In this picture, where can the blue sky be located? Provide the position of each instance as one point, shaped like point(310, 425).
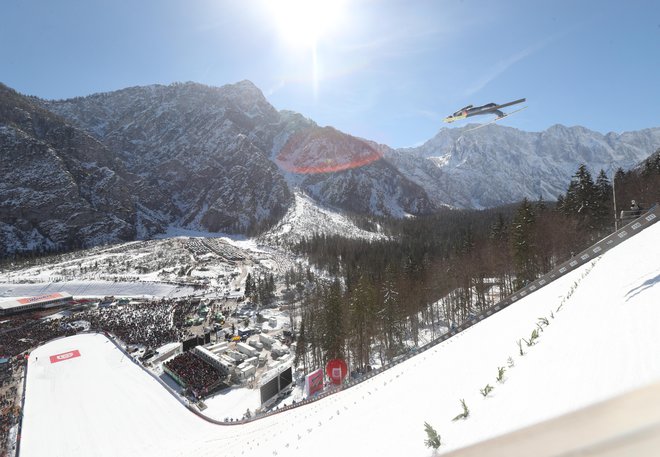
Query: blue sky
point(386, 70)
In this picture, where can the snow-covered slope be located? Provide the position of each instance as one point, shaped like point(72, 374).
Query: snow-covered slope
point(306, 218)
point(601, 340)
point(497, 164)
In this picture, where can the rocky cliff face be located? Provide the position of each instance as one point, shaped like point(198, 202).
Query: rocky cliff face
point(60, 187)
point(496, 165)
point(230, 161)
point(342, 171)
point(207, 149)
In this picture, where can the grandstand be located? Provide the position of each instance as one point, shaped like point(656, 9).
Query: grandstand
point(194, 373)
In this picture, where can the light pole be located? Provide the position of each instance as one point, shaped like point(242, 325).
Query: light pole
point(616, 222)
point(614, 169)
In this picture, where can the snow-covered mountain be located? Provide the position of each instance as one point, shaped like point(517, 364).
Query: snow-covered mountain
point(60, 186)
point(215, 150)
point(222, 159)
point(495, 165)
point(207, 149)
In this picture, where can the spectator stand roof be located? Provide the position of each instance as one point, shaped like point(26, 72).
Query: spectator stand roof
point(37, 300)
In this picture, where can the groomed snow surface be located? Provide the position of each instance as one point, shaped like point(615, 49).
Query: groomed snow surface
point(96, 289)
point(603, 341)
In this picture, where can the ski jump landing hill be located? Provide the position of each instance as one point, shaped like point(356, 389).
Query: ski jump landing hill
point(85, 397)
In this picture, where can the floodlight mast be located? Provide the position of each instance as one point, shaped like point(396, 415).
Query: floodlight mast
point(616, 221)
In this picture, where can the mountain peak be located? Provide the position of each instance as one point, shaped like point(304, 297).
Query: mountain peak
point(497, 164)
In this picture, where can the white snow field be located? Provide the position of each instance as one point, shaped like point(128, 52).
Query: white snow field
point(97, 289)
point(604, 341)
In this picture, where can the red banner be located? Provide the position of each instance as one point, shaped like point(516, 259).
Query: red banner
point(64, 356)
point(314, 382)
point(24, 301)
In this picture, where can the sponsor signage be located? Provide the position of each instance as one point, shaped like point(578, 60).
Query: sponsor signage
point(25, 301)
point(314, 382)
point(64, 356)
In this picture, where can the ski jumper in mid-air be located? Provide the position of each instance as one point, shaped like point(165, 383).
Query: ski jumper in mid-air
point(488, 108)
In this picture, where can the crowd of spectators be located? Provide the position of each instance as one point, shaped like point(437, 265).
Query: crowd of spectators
point(182, 309)
point(200, 377)
point(9, 415)
point(29, 335)
point(9, 401)
point(149, 323)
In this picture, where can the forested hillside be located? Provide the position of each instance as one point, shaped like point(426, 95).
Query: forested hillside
point(441, 268)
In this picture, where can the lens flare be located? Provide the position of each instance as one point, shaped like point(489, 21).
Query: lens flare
point(325, 150)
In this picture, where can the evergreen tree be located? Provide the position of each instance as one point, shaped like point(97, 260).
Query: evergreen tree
point(620, 175)
point(249, 285)
point(361, 316)
point(432, 438)
point(390, 318)
point(541, 206)
point(581, 198)
point(498, 254)
point(561, 202)
point(499, 230)
point(467, 242)
point(603, 210)
point(334, 334)
point(522, 243)
point(301, 348)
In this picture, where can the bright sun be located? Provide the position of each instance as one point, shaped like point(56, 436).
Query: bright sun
point(303, 22)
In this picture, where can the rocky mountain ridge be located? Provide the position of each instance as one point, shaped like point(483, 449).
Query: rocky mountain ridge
point(126, 164)
point(215, 151)
point(62, 187)
point(495, 165)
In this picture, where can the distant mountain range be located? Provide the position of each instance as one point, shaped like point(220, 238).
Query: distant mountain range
point(495, 165)
point(126, 164)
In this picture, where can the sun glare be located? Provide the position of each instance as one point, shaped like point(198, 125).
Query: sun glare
point(304, 22)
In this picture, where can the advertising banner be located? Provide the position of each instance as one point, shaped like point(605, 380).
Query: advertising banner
point(314, 382)
point(336, 370)
point(25, 301)
point(64, 356)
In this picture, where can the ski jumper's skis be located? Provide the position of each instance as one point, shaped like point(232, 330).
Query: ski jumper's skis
point(494, 120)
